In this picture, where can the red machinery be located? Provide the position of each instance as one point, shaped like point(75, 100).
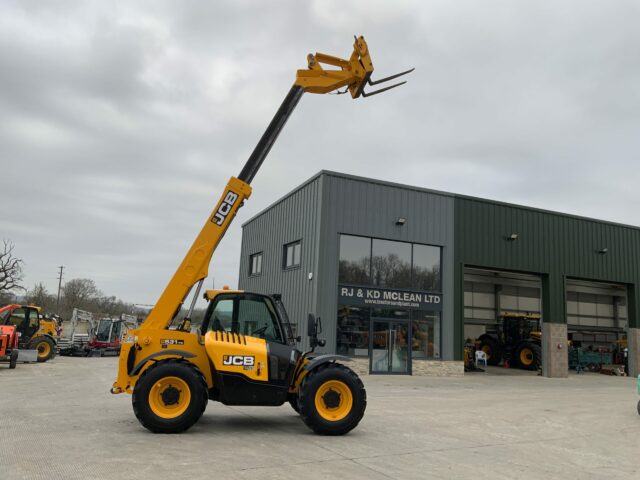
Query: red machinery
point(9, 345)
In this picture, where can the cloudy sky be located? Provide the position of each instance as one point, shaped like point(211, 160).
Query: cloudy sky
point(120, 122)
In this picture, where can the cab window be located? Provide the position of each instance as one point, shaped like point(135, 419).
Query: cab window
point(256, 319)
point(222, 316)
point(17, 317)
point(251, 315)
point(34, 319)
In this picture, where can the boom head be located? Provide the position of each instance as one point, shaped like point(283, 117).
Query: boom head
point(354, 74)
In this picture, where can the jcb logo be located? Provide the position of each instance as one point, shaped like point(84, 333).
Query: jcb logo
point(224, 208)
point(238, 360)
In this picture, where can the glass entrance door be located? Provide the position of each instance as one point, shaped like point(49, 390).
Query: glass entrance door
point(389, 347)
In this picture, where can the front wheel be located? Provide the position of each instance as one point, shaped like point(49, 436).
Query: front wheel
point(170, 397)
point(13, 359)
point(332, 400)
point(292, 398)
point(528, 356)
point(45, 346)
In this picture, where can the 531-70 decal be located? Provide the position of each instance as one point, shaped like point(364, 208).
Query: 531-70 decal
point(165, 342)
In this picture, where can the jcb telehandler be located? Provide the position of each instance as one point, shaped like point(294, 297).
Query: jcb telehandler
point(243, 353)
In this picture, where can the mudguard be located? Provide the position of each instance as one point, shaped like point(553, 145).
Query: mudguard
point(141, 363)
point(326, 358)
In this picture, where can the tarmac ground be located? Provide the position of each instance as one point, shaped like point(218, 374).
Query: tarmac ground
point(59, 421)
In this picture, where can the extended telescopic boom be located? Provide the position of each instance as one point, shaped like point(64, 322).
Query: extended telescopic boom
point(353, 75)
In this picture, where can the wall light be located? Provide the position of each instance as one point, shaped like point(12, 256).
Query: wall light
point(602, 251)
point(512, 237)
point(401, 221)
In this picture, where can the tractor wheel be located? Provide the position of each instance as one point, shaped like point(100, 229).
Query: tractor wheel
point(491, 348)
point(332, 399)
point(45, 346)
point(292, 398)
point(528, 356)
point(13, 358)
point(170, 397)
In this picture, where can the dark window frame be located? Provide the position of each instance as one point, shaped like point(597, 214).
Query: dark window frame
point(285, 248)
point(253, 273)
point(412, 288)
point(205, 327)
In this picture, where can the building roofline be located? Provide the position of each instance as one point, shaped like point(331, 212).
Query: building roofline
point(287, 195)
point(435, 192)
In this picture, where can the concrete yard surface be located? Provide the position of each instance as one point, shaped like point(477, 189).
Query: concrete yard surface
point(59, 421)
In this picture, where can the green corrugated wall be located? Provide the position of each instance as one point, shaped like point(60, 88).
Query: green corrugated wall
point(553, 245)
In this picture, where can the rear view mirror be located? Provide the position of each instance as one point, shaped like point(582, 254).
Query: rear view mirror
point(311, 326)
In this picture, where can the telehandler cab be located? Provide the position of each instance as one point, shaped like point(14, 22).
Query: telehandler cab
point(243, 353)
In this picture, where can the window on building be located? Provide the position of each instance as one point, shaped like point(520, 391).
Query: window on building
point(355, 260)
point(291, 255)
point(255, 264)
point(391, 264)
point(353, 331)
point(425, 334)
point(426, 268)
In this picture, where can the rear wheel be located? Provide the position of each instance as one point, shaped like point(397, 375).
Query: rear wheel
point(491, 348)
point(528, 356)
point(45, 347)
point(13, 359)
point(170, 397)
point(332, 400)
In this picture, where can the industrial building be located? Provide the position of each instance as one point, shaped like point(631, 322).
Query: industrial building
point(403, 276)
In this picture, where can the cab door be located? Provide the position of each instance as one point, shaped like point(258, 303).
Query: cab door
point(26, 321)
point(253, 365)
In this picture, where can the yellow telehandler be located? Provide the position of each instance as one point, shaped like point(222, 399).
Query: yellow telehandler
point(244, 352)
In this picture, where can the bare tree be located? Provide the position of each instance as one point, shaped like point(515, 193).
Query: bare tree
point(10, 268)
point(40, 296)
point(79, 293)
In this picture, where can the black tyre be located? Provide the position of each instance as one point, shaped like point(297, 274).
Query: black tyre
point(492, 350)
point(332, 399)
point(45, 346)
point(638, 407)
point(528, 356)
point(292, 398)
point(13, 359)
point(170, 397)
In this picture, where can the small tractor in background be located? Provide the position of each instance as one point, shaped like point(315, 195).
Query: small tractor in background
point(34, 332)
point(9, 345)
point(516, 341)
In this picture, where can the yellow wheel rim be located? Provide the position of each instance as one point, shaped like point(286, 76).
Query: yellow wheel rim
point(526, 356)
point(487, 351)
point(44, 349)
point(333, 400)
point(169, 397)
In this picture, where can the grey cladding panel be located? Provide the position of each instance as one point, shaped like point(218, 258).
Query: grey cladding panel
point(293, 218)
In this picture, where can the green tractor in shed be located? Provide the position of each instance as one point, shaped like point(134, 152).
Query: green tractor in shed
point(516, 341)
